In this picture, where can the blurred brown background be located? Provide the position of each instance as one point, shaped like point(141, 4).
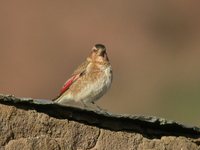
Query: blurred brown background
point(154, 48)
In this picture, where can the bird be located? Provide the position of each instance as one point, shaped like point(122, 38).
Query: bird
point(90, 81)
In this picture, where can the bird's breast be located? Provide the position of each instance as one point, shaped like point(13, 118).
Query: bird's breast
point(100, 84)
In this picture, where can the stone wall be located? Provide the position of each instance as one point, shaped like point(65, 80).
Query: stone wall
point(27, 124)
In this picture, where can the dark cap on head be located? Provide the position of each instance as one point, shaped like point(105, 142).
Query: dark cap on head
point(100, 46)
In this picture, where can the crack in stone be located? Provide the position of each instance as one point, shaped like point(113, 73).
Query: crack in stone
point(99, 134)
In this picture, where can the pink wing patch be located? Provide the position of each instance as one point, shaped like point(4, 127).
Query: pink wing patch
point(69, 83)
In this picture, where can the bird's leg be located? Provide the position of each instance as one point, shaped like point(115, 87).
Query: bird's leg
point(83, 104)
point(92, 105)
point(98, 107)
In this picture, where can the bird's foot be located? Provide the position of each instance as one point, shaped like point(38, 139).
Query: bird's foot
point(93, 106)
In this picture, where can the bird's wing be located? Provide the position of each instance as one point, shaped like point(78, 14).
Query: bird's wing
point(66, 86)
point(77, 74)
point(68, 83)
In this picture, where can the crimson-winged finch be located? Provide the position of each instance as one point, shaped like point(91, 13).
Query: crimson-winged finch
point(90, 80)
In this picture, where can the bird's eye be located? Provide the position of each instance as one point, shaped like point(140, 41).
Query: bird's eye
point(95, 50)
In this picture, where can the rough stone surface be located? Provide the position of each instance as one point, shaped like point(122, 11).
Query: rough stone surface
point(27, 129)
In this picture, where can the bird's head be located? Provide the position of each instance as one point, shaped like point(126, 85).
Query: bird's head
point(99, 53)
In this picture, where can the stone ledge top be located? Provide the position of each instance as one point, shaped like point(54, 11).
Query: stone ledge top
point(148, 125)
